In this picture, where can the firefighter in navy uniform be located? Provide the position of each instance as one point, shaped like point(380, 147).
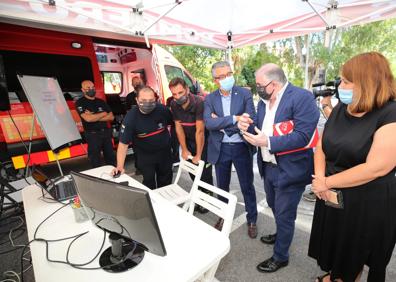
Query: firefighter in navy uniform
point(187, 110)
point(95, 114)
point(174, 142)
point(146, 126)
point(130, 101)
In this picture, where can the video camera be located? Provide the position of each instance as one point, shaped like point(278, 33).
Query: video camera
point(330, 88)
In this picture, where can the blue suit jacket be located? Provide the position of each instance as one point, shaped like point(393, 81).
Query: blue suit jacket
point(299, 105)
point(241, 102)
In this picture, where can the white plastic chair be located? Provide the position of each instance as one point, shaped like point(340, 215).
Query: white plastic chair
point(224, 210)
point(174, 192)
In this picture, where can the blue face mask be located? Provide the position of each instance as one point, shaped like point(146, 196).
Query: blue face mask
point(345, 95)
point(227, 83)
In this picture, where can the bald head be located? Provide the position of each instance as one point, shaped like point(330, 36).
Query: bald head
point(87, 84)
point(88, 88)
point(271, 72)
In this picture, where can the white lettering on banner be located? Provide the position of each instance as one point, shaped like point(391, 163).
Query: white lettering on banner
point(179, 32)
point(90, 15)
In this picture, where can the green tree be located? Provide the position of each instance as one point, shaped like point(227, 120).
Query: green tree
point(327, 50)
point(198, 61)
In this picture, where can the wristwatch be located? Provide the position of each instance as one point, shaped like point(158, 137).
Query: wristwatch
point(324, 106)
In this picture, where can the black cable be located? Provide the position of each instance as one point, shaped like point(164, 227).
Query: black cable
point(16, 237)
point(41, 223)
point(82, 264)
point(74, 265)
point(75, 237)
point(23, 251)
point(52, 200)
point(7, 224)
point(10, 251)
point(20, 136)
point(46, 241)
point(19, 133)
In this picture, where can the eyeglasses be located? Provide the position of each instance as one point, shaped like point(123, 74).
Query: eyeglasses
point(259, 86)
point(221, 77)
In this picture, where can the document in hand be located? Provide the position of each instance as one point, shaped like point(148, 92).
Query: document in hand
point(287, 127)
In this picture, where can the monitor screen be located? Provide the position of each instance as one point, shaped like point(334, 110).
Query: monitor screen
point(124, 210)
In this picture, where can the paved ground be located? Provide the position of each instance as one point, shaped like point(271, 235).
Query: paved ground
point(240, 263)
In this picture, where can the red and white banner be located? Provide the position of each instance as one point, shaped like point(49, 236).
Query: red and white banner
point(196, 22)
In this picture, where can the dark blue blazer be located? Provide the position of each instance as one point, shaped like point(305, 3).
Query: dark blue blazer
point(241, 102)
point(299, 105)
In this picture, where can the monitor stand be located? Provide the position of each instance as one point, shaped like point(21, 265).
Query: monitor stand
point(122, 255)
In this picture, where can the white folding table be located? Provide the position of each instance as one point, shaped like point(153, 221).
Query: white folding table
point(192, 245)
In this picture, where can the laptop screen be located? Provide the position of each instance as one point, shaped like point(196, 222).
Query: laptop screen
point(41, 178)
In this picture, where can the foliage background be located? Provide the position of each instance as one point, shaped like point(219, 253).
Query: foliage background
point(326, 51)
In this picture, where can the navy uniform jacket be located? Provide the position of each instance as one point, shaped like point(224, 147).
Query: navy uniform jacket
point(299, 105)
point(241, 102)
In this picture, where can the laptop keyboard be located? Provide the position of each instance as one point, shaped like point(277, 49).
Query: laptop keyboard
point(66, 190)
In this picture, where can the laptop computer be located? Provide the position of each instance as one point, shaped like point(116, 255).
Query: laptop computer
point(61, 190)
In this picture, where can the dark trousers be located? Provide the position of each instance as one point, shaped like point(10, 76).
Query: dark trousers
point(207, 171)
point(174, 145)
point(99, 141)
point(239, 155)
point(156, 174)
point(135, 155)
point(283, 201)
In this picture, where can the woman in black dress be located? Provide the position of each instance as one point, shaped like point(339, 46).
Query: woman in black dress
point(357, 157)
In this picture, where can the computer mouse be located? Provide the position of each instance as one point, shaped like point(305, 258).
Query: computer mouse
point(117, 174)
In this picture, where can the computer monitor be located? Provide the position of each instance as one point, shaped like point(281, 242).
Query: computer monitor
point(127, 214)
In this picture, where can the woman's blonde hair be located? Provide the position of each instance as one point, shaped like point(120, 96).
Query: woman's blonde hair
point(374, 84)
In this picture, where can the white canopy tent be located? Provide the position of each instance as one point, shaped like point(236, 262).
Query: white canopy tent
point(221, 24)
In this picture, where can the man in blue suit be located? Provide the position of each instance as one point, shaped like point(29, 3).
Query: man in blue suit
point(286, 120)
point(226, 146)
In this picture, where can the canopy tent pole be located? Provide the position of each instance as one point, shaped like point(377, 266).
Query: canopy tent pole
point(229, 49)
point(280, 29)
point(177, 2)
point(306, 75)
point(383, 10)
point(316, 11)
point(368, 2)
point(97, 18)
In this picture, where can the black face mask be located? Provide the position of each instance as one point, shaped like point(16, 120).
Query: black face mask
point(91, 93)
point(262, 92)
point(182, 100)
point(137, 86)
point(147, 107)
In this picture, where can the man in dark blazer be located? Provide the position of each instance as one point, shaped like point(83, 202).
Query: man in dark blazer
point(286, 121)
point(226, 146)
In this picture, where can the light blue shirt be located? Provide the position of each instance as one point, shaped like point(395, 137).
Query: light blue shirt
point(226, 103)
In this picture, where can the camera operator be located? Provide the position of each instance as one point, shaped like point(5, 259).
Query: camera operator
point(330, 91)
point(326, 106)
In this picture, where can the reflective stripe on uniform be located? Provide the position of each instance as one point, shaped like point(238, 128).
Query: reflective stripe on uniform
point(144, 135)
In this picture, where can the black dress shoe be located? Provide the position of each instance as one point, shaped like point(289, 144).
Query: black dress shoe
point(271, 265)
point(268, 239)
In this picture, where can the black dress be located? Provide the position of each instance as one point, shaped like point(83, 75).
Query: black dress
point(364, 231)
